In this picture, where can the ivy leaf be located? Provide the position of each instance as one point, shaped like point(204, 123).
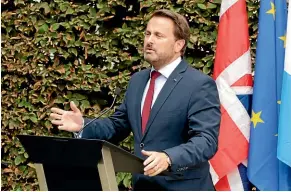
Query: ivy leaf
point(55, 26)
point(126, 181)
point(75, 101)
point(60, 99)
point(209, 64)
point(52, 51)
point(74, 51)
point(207, 58)
point(198, 64)
point(211, 6)
point(18, 2)
point(45, 6)
point(63, 7)
point(19, 159)
point(69, 11)
point(25, 104)
point(216, 1)
point(92, 12)
point(48, 124)
point(33, 119)
point(201, 6)
point(119, 177)
point(87, 67)
point(85, 104)
point(100, 5)
point(26, 155)
point(13, 124)
point(190, 60)
point(79, 96)
point(206, 70)
point(43, 28)
point(18, 187)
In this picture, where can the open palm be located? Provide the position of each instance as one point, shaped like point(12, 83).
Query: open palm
point(71, 121)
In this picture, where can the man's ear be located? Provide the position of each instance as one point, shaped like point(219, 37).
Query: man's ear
point(179, 44)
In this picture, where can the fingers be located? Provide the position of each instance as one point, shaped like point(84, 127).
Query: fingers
point(155, 163)
point(57, 122)
point(158, 171)
point(58, 111)
point(151, 171)
point(147, 153)
point(155, 170)
point(60, 124)
point(148, 160)
point(152, 164)
point(55, 116)
point(74, 107)
point(61, 127)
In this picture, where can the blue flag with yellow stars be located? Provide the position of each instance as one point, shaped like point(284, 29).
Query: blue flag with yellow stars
point(265, 171)
point(284, 132)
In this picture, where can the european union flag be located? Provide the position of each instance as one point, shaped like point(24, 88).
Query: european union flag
point(265, 171)
point(284, 133)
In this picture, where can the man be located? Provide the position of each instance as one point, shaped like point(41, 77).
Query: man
point(172, 109)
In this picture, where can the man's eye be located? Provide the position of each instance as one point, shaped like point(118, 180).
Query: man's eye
point(159, 35)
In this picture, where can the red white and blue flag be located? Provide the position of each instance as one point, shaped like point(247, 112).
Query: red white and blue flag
point(233, 75)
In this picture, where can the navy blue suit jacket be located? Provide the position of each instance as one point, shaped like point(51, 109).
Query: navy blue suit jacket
point(184, 123)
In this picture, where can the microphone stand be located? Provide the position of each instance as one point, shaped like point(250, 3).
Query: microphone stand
point(117, 92)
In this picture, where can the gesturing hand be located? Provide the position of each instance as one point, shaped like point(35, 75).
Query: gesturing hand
point(155, 163)
point(67, 120)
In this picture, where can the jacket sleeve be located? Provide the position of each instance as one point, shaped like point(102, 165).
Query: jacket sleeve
point(114, 128)
point(203, 121)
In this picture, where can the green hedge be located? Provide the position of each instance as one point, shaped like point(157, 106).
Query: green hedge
point(58, 51)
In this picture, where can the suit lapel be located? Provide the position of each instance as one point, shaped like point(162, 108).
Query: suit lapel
point(170, 84)
point(140, 90)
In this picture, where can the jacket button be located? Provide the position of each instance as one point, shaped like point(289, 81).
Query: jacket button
point(141, 145)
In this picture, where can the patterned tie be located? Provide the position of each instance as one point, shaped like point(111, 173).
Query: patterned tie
point(148, 100)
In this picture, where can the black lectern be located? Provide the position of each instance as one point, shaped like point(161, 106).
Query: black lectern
point(78, 164)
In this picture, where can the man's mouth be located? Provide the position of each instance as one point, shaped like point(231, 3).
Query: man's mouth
point(148, 50)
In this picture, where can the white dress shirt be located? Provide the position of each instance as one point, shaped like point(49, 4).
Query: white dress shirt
point(160, 81)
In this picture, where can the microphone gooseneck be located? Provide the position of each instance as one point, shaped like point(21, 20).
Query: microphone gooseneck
point(117, 93)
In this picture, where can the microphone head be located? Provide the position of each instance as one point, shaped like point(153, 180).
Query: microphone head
point(117, 91)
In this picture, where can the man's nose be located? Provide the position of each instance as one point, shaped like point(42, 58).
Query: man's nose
point(150, 39)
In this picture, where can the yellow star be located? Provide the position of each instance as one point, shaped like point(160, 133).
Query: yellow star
point(272, 10)
point(256, 118)
point(283, 38)
point(279, 102)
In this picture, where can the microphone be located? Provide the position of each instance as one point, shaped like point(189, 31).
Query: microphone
point(116, 93)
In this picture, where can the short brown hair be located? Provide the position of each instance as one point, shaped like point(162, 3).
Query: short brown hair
point(182, 29)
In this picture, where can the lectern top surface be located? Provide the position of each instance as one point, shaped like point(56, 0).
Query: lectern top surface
point(60, 150)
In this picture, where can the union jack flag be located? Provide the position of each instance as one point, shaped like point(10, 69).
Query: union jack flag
point(233, 75)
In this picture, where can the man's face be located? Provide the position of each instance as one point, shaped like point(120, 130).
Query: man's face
point(159, 41)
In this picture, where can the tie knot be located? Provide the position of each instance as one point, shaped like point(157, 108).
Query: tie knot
point(155, 74)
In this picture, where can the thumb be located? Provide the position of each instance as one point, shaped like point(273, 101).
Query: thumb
point(147, 153)
point(74, 107)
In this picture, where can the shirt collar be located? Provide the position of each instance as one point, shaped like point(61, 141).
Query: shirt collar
point(168, 69)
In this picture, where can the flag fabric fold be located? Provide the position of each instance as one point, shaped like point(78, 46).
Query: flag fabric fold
point(232, 73)
point(265, 171)
point(284, 133)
